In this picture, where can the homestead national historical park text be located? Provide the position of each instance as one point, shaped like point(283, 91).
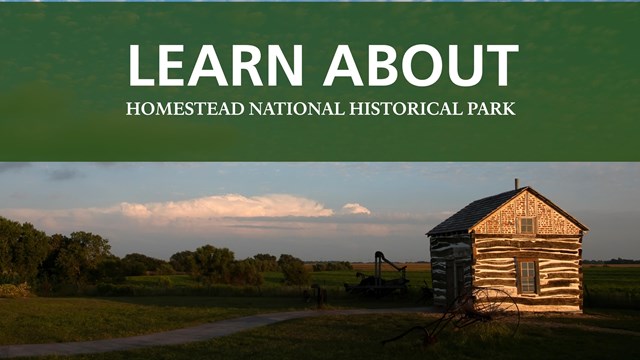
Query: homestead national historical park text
point(381, 71)
point(352, 108)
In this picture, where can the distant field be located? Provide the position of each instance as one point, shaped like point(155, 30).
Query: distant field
point(612, 286)
point(605, 286)
point(410, 266)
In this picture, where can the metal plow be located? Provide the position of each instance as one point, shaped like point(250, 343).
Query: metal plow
point(493, 313)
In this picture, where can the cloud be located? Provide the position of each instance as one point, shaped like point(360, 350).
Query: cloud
point(355, 209)
point(63, 174)
point(8, 166)
point(228, 206)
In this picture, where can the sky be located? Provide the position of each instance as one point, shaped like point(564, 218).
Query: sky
point(315, 211)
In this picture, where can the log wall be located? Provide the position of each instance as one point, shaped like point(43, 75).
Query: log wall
point(445, 252)
point(559, 269)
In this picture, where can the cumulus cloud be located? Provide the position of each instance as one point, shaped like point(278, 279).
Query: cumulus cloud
point(230, 205)
point(355, 209)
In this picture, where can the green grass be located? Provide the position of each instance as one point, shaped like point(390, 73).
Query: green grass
point(275, 279)
point(612, 287)
point(332, 281)
point(616, 277)
point(43, 320)
point(358, 337)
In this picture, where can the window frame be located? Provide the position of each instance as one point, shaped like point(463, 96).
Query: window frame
point(534, 225)
point(536, 276)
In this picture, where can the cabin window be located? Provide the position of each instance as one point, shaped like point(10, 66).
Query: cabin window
point(527, 276)
point(527, 225)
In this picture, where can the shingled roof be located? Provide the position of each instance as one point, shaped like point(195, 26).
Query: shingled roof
point(473, 213)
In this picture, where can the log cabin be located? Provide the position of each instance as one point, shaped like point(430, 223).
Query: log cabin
point(517, 241)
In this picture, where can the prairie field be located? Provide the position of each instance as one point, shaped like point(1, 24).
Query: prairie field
point(604, 286)
point(608, 328)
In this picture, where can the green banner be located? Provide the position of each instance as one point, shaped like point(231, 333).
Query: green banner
point(319, 82)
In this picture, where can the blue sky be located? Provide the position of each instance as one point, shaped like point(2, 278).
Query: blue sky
point(316, 211)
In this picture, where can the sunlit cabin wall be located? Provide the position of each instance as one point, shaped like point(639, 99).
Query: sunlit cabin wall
point(556, 246)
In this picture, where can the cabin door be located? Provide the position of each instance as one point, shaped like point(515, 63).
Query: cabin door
point(455, 280)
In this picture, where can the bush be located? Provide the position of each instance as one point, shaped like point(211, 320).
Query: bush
point(244, 272)
point(293, 270)
point(266, 262)
point(15, 291)
point(333, 266)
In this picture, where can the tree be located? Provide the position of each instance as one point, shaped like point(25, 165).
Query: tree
point(183, 261)
point(139, 264)
point(293, 270)
point(211, 264)
point(23, 249)
point(266, 262)
point(110, 270)
point(245, 272)
point(79, 257)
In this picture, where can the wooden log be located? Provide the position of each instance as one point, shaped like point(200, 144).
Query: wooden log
point(567, 292)
point(561, 282)
point(528, 254)
point(496, 274)
point(523, 244)
point(560, 275)
point(494, 282)
point(547, 300)
point(559, 237)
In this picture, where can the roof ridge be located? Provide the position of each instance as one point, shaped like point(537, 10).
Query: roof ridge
point(477, 210)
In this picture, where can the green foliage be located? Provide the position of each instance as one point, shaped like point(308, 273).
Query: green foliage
point(183, 261)
point(218, 266)
point(165, 269)
point(293, 270)
point(15, 291)
point(139, 264)
point(23, 248)
point(245, 272)
point(110, 270)
point(76, 260)
point(266, 262)
point(212, 264)
point(332, 266)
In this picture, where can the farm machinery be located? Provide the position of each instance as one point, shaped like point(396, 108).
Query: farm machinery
point(492, 311)
point(375, 285)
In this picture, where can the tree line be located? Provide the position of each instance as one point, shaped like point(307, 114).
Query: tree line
point(49, 263)
point(618, 261)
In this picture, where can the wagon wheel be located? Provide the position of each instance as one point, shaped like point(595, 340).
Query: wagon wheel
point(493, 311)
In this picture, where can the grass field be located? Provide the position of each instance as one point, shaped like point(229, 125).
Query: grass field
point(359, 337)
point(333, 281)
point(605, 286)
point(41, 320)
point(612, 286)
